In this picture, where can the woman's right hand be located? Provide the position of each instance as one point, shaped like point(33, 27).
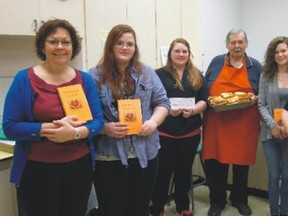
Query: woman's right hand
point(284, 119)
point(115, 129)
point(277, 132)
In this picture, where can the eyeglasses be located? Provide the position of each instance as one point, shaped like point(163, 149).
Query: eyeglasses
point(122, 44)
point(55, 43)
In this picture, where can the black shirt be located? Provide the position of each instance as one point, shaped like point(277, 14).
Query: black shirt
point(179, 125)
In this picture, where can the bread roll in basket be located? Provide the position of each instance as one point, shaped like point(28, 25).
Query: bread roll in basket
point(230, 98)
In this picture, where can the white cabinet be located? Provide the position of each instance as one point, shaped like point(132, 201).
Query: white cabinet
point(156, 23)
point(71, 10)
point(139, 14)
point(168, 24)
point(23, 17)
point(101, 16)
point(145, 28)
point(15, 20)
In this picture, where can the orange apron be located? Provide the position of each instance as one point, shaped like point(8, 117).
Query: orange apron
point(231, 136)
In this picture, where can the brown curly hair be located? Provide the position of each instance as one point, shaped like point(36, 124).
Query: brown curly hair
point(49, 28)
point(270, 66)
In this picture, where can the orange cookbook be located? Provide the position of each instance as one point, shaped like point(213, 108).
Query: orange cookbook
point(74, 102)
point(278, 115)
point(130, 113)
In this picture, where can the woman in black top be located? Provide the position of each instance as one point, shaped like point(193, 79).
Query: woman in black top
point(180, 132)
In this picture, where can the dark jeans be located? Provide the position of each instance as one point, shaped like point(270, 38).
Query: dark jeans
point(124, 191)
point(175, 156)
point(55, 189)
point(217, 173)
point(277, 164)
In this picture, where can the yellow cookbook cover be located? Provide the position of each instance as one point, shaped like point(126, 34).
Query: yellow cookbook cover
point(278, 115)
point(74, 102)
point(130, 113)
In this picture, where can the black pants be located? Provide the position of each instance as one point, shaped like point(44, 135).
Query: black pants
point(217, 174)
point(124, 191)
point(175, 156)
point(54, 189)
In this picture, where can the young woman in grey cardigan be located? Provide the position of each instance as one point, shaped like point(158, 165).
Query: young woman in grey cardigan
point(273, 93)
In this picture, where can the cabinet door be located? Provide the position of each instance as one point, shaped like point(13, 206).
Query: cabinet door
point(18, 17)
point(101, 16)
point(141, 16)
point(23, 17)
point(168, 24)
point(71, 10)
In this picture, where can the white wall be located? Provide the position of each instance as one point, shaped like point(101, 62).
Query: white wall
point(217, 18)
point(264, 20)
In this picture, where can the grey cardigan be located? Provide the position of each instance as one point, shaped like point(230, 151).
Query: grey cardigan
point(268, 100)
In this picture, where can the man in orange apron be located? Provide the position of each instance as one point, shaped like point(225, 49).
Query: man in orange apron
point(231, 137)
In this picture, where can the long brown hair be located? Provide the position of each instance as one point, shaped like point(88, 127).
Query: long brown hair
point(270, 66)
point(109, 70)
point(194, 75)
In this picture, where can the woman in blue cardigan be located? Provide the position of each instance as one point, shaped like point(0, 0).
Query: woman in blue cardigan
point(52, 164)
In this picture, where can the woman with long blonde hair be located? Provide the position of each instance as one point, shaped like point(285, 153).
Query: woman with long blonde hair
point(180, 132)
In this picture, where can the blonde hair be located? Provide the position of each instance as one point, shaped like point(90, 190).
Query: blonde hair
point(194, 75)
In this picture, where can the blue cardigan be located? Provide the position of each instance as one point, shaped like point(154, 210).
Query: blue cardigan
point(19, 125)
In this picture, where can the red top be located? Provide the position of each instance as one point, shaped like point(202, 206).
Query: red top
point(231, 136)
point(47, 107)
point(191, 134)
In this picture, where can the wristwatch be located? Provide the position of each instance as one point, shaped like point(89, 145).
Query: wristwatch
point(77, 134)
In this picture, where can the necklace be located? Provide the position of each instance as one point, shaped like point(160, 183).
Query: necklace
point(283, 76)
point(127, 88)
